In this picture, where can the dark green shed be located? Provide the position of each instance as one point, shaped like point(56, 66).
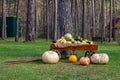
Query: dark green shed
point(11, 26)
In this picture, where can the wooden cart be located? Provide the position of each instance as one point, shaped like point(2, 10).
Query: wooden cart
point(89, 48)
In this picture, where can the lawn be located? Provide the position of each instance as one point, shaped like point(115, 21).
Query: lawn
point(10, 50)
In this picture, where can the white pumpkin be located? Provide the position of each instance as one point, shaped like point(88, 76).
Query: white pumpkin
point(50, 57)
point(99, 58)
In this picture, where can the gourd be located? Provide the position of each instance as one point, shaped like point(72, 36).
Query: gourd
point(84, 61)
point(50, 57)
point(72, 58)
point(68, 36)
point(99, 58)
point(61, 40)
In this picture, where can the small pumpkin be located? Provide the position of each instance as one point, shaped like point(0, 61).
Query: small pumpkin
point(50, 57)
point(102, 58)
point(72, 58)
point(84, 61)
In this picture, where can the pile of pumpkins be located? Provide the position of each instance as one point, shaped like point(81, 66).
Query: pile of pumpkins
point(52, 57)
point(68, 39)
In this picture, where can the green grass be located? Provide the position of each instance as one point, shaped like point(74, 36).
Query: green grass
point(10, 50)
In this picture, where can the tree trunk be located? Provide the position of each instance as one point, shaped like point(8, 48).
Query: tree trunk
point(110, 27)
point(4, 34)
point(88, 20)
point(76, 17)
point(17, 22)
point(93, 19)
point(114, 16)
point(83, 18)
point(103, 21)
point(47, 20)
point(55, 19)
point(44, 18)
point(8, 7)
point(35, 19)
point(65, 18)
point(30, 28)
point(15, 1)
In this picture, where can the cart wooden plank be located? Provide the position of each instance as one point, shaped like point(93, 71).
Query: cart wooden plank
point(87, 47)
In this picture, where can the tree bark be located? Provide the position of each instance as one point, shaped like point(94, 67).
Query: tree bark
point(47, 20)
point(65, 18)
point(15, 1)
point(97, 17)
point(110, 27)
point(8, 7)
point(114, 16)
point(103, 21)
point(83, 18)
point(35, 19)
point(17, 22)
point(44, 18)
point(55, 19)
point(93, 18)
point(30, 28)
point(4, 34)
point(76, 17)
point(88, 20)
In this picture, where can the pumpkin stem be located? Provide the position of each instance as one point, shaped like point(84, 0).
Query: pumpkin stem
point(87, 53)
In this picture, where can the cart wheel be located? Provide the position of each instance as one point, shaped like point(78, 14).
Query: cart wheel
point(89, 53)
point(58, 52)
point(67, 53)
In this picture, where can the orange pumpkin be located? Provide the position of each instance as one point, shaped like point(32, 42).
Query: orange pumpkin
point(72, 58)
point(84, 61)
